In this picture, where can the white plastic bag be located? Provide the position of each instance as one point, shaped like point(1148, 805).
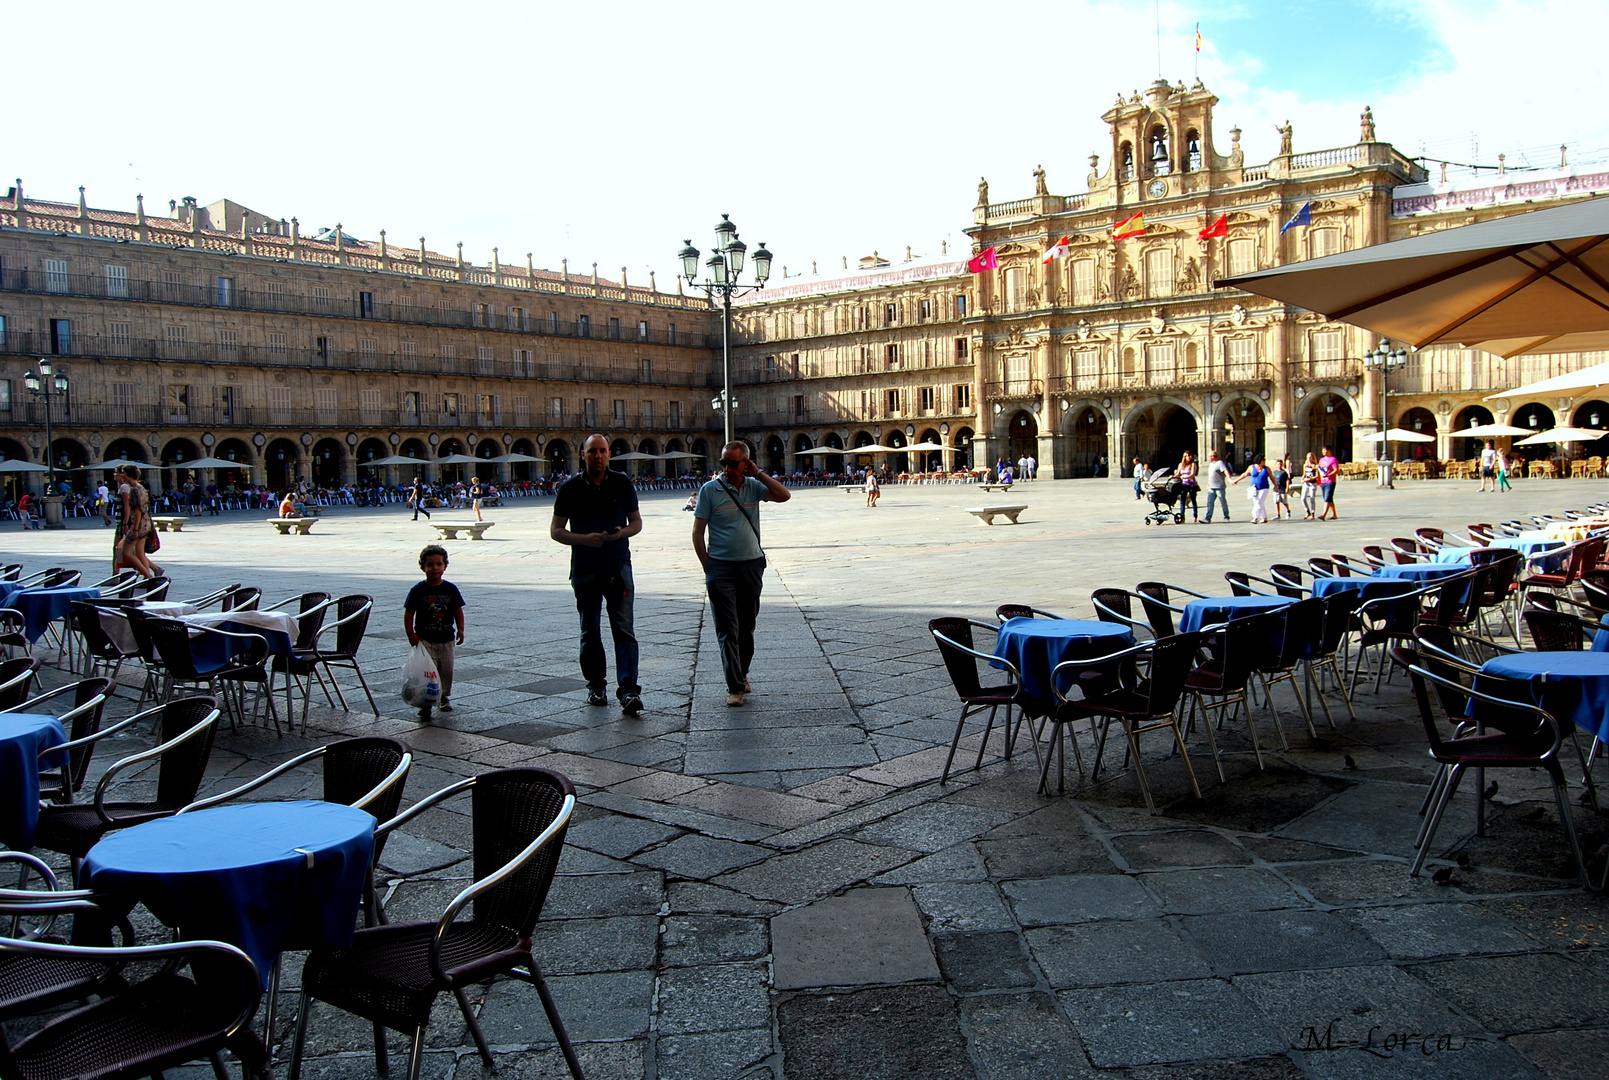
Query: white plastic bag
point(421, 685)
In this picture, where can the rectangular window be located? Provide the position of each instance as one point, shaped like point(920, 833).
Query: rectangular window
point(410, 355)
point(645, 371)
point(1159, 362)
point(483, 359)
point(1086, 368)
point(118, 337)
point(449, 405)
point(589, 413)
point(487, 407)
point(961, 305)
point(324, 400)
point(1327, 345)
point(960, 349)
point(614, 329)
point(411, 404)
point(481, 314)
point(56, 275)
point(890, 311)
point(670, 334)
point(369, 406)
point(226, 292)
point(556, 408)
point(518, 319)
point(1159, 272)
point(178, 403)
point(61, 337)
point(228, 401)
point(116, 281)
point(927, 399)
point(5, 395)
point(3, 329)
point(279, 402)
point(642, 329)
point(1242, 356)
point(583, 325)
point(963, 397)
point(321, 297)
point(123, 398)
point(366, 349)
point(891, 357)
point(1083, 274)
point(924, 310)
point(620, 412)
point(1240, 256)
point(553, 322)
point(524, 362)
point(321, 346)
point(228, 340)
point(176, 336)
point(276, 343)
point(275, 292)
point(365, 305)
point(648, 414)
point(522, 410)
point(893, 403)
point(172, 285)
point(675, 417)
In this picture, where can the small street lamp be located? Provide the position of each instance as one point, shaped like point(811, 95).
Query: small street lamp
point(48, 383)
point(1385, 360)
point(725, 267)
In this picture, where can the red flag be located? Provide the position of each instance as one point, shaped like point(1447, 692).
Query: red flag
point(984, 260)
point(1217, 228)
point(1059, 249)
point(1130, 226)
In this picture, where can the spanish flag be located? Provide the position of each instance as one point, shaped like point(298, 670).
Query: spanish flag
point(1132, 226)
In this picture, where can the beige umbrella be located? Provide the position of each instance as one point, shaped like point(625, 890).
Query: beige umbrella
point(1563, 435)
point(876, 448)
point(1585, 379)
point(506, 459)
point(823, 451)
point(23, 466)
point(396, 459)
point(1397, 434)
point(459, 459)
point(633, 456)
point(1488, 431)
point(923, 446)
point(1536, 282)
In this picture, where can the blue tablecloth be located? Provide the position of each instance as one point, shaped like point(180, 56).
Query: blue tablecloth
point(242, 874)
point(23, 736)
point(8, 589)
point(1525, 547)
point(1422, 573)
point(1600, 640)
point(1036, 646)
point(40, 607)
point(1373, 586)
point(1573, 686)
point(213, 651)
point(1216, 609)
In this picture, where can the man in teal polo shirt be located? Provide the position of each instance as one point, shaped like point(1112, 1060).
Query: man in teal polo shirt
point(728, 511)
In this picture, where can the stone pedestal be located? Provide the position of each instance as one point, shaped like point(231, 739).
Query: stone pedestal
point(53, 512)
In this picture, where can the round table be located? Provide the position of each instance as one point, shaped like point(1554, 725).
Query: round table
point(1035, 646)
point(1211, 610)
point(1423, 573)
point(1526, 548)
point(1572, 686)
point(1373, 586)
point(23, 737)
point(256, 875)
point(41, 607)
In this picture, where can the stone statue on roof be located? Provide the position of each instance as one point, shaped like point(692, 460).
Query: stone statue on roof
point(1366, 128)
point(1285, 138)
point(1039, 182)
point(983, 191)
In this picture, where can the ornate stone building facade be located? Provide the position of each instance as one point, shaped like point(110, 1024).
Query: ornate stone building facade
point(218, 331)
point(1123, 348)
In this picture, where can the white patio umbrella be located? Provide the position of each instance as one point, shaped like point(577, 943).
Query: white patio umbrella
point(876, 448)
point(1586, 378)
point(396, 459)
point(923, 446)
point(23, 466)
point(823, 451)
point(118, 463)
point(209, 463)
point(459, 459)
point(507, 459)
point(1563, 435)
point(633, 456)
point(683, 455)
point(1398, 435)
point(1488, 431)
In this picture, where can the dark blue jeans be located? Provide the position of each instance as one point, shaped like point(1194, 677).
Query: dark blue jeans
point(734, 591)
point(595, 588)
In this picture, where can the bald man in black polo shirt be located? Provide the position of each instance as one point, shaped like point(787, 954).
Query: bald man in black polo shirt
point(595, 515)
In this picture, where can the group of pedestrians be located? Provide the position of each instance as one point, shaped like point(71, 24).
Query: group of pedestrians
point(1494, 468)
point(1266, 479)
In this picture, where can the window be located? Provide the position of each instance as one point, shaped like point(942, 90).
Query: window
point(1159, 362)
point(3, 329)
point(961, 305)
point(483, 359)
point(410, 355)
point(117, 335)
point(1328, 345)
point(1242, 355)
point(275, 291)
point(61, 337)
point(449, 405)
point(963, 397)
point(321, 297)
point(960, 349)
point(324, 400)
point(1240, 256)
point(556, 408)
point(589, 413)
point(1013, 286)
point(642, 329)
point(279, 402)
point(926, 399)
point(924, 311)
point(583, 325)
point(366, 349)
point(891, 357)
point(176, 336)
point(172, 285)
point(321, 345)
point(487, 407)
point(481, 314)
point(614, 329)
point(226, 292)
point(620, 412)
point(276, 343)
point(517, 319)
point(410, 407)
point(524, 362)
point(675, 417)
point(889, 312)
point(123, 398)
point(369, 406)
point(645, 371)
point(365, 305)
point(893, 403)
point(5, 395)
point(228, 340)
point(798, 407)
point(522, 410)
point(1159, 272)
point(228, 401)
point(178, 402)
point(553, 322)
point(1324, 242)
point(670, 334)
point(1083, 272)
point(55, 275)
point(116, 281)
point(648, 414)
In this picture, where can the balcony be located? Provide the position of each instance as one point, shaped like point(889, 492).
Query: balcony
point(1014, 389)
point(1163, 377)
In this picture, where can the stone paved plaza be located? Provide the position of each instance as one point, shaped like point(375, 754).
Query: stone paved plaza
point(785, 890)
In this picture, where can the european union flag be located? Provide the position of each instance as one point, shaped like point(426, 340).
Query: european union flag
point(1304, 216)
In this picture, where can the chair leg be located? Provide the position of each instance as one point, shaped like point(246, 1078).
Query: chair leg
point(416, 1054)
point(1139, 766)
point(365, 684)
point(1455, 774)
point(944, 778)
point(474, 1028)
point(273, 1000)
point(218, 1070)
point(988, 729)
point(1556, 774)
point(300, 1039)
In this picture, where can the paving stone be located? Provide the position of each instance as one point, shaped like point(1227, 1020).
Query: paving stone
point(700, 857)
point(932, 827)
point(599, 1061)
point(983, 961)
point(1277, 941)
point(713, 997)
point(1340, 1007)
point(411, 855)
point(887, 1032)
point(1044, 856)
point(572, 946)
point(1023, 1037)
point(1163, 1022)
point(1566, 921)
point(1422, 931)
point(1380, 818)
point(639, 893)
point(1076, 898)
point(1104, 953)
point(1565, 1055)
point(712, 939)
point(957, 864)
point(805, 875)
point(866, 936)
point(956, 907)
point(752, 804)
point(695, 896)
point(1511, 994)
point(910, 769)
point(1193, 847)
point(1261, 802)
point(607, 1006)
point(843, 790)
point(577, 860)
point(619, 836)
point(1201, 892)
point(1277, 850)
point(659, 786)
point(840, 756)
point(683, 817)
point(724, 1055)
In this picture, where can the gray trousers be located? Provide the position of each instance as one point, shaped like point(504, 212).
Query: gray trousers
point(734, 592)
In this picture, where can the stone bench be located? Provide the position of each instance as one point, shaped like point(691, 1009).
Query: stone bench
point(987, 514)
point(853, 489)
point(168, 522)
point(449, 530)
point(300, 526)
point(994, 487)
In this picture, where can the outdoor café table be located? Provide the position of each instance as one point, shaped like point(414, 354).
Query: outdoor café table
point(114, 620)
point(1326, 586)
point(1527, 548)
point(278, 630)
point(256, 875)
point(1211, 610)
point(1600, 640)
point(8, 589)
point(1570, 685)
point(41, 607)
point(23, 736)
point(1036, 646)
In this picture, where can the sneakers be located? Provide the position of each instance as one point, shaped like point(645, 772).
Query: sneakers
point(445, 706)
point(631, 704)
point(597, 697)
point(747, 689)
point(424, 714)
point(734, 700)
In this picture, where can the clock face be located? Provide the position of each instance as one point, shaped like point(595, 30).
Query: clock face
point(1157, 189)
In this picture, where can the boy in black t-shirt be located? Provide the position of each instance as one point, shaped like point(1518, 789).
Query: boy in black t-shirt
point(433, 615)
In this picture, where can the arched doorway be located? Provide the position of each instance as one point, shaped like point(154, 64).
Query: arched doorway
point(901, 462)
point(451, 473)
point(1022, 436)
point(1420, 421)
point(329, 462)
point(1159, 434)
point(174, 455)
point(1244, 433)
point(370, 450)
point(963, 449)
point(116, 450)
point(1089, 440)
point(521, 470)
point(280, 462)
point(930, 460)
point(1533, 415)
point(235, 450)
point(700, 464)
point(17, 483)
point(832, 463)
point(1594, 416)
point(415, 448)
point(1329, 423)
point(70, 454)
point(862, 461)
point(648, 468)
point(486, 449)
point(557, 452)
point(1468, 417)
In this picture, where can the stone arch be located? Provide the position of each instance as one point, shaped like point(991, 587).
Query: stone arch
point(1421, 421)
point(557, 453)
point(1240, 428)
point(1327, 421)
point(1159, 431)
point(648, 468)
point(116, 450)
point(962, 455)
point(1592, 415)
point(370, 450)
point(1088, 426)
point(174, 455)
point(329, 463)
point(930, 460)
point(282, 464)
point(1542, 415)
point(776, 455)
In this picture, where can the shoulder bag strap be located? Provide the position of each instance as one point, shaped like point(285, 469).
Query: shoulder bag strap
point(741, 508)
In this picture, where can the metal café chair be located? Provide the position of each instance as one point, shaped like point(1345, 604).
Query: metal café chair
point(1022, 611)
point(82, 721)
point(953, 636)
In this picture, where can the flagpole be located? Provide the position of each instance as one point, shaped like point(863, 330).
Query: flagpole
point(1159, 39)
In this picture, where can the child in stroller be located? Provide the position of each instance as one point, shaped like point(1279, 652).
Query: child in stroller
point(1165, 491)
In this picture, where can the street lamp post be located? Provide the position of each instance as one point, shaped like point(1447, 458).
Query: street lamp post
point(47, 383)
point(725, 266)
point(1385, 360)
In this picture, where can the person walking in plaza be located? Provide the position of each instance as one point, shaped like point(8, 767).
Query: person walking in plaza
point(134, 524)
point(416, 498)
point(433, 614)
point(734, 563)
point(873, 489)
point(1502, 472)
point(1140, 473)
point(1260, 485)
point(1282, 486)
point(103, 500)
point(476, 493)
point(1309, 486)
point(595, 514)
point(1217, 485)
point(1190, 484)
point(1489, 466)
point(1329, 470)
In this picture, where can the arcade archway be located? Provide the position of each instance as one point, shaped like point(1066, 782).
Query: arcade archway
point(1594, 416)
point(1022, 436)
point(1089, 432)
point(1159, 434)
point(329, 462)
point(1328, 422)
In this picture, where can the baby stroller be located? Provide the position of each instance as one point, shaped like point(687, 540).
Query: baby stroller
point(1165, 491)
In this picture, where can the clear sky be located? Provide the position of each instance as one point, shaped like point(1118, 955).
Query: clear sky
point(611, 132)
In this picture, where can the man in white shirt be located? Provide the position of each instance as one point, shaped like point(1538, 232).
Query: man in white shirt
point(103, 499)
point(1489, 466)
